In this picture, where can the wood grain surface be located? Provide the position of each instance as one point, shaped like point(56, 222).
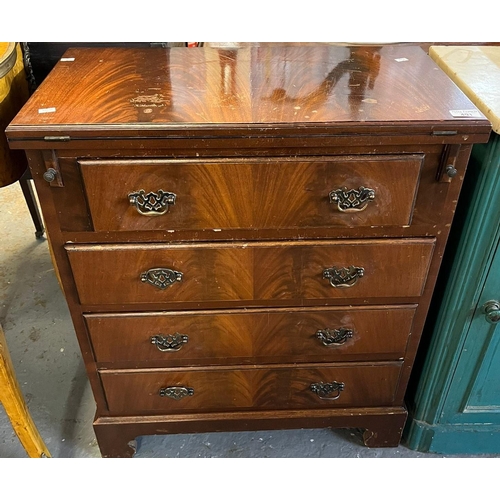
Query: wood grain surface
point(254, 86)
point(286, 387)
point(111, 274)
point(435, 201)
point(383, 425)
point(278, 193)
point(249, 141)
point(259, 336)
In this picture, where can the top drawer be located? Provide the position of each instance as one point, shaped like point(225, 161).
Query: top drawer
point(129, 195)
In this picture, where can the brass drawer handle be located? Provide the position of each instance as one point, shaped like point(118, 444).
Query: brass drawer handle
point(343, 277)
point(161, 277)
point(352, 200)
point(335, 337)
point(152, 204)
point(323, 390)
point(169, 343)
point(176, 392)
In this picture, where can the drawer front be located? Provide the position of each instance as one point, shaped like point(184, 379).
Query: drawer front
point(126, 195)
point(138, 274)
point(134, 392)
point(261, 336)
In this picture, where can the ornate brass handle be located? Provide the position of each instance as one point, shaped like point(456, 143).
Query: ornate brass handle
point(168, 343)
point(176, 392)
point(335, 337)
point(161, 277)
point(352, 200)
point(152, 204)
point(323, 389)
point(492, 311)
point(343, 277)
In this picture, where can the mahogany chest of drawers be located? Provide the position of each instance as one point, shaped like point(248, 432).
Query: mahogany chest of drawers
point(248, 239)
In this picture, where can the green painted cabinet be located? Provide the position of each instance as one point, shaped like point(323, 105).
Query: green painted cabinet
point(456, 405)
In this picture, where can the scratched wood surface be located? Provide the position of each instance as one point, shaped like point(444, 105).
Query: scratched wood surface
point(105, 204)
point(253, 86)
point(114, 118)
point(111, 274)
point(259, 336)
point(235, 387)
point(277, 193)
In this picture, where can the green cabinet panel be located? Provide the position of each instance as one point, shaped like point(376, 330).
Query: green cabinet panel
point(455, 407)
point(474, 394)
point(478, 368)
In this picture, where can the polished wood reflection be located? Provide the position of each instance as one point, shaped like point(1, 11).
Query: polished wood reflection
point(252, 141)
point(250, 85)
point(279, 193)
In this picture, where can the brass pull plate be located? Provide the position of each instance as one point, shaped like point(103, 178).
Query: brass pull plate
point(161, 277)
point(324, 389)
point(332, 338)
point(176, 392)
point(153, 203)
point(169, 343)
point(343, 277)
point(352, 200)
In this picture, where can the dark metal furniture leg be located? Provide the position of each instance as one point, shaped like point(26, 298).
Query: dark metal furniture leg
point(31, 201)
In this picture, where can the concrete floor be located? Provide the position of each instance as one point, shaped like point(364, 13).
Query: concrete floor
point(50, 371)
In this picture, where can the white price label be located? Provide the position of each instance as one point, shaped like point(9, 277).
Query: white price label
point(465, 113)
point(67, 59)
point(47, 110)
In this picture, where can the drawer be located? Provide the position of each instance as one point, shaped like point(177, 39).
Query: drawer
point(129, 195)
point(259, 336)
point(170, 391)
point(291, 271)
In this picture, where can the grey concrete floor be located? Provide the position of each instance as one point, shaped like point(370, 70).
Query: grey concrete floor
point(46, 357)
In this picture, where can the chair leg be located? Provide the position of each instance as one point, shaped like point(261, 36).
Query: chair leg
point(31, 201)
point(15, 406)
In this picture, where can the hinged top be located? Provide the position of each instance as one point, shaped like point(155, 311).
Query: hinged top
point(269, 90)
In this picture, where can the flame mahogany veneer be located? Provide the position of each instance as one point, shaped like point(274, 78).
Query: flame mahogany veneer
point(248, 239)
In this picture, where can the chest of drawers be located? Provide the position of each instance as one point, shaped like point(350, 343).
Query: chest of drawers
point(248, 239)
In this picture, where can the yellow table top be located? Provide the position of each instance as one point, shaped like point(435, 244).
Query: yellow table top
point(476, 70)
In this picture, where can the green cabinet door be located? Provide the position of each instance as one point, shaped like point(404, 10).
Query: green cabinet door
point(474, 394)
point(455, 406)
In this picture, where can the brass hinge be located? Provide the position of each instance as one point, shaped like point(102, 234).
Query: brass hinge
point(444, 132)
point(57, 138)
